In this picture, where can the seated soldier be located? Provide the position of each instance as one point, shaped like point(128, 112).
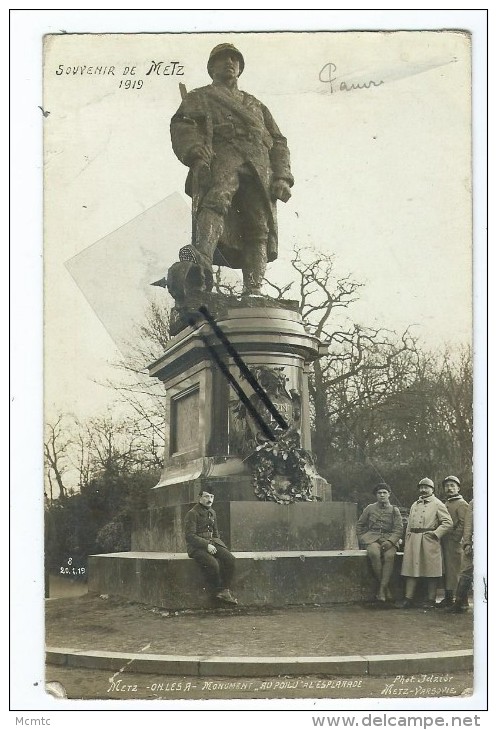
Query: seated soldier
point(379, 530)
point(204, 545)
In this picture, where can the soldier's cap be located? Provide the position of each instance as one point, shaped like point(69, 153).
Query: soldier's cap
point(382, 485)
point(451, 478)
point(221, 48)
point(426, 483)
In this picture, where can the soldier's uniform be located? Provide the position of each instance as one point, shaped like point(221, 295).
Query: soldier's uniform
point(466, 575)
point(379, 530)
point(200, 531)
point(422, 551)
point(451, 542)
point(429, 520)
point(236, 216)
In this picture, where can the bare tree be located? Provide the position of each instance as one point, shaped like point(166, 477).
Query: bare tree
point(363, 365)
point(142, 396)
point(111, 446)
point(57, 447)
point(454, 406)
point(80, 457)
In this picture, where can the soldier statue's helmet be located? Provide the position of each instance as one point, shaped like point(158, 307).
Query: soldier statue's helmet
point(452, 479)
point(426, 483)
point(222, 48)
point(382, 485)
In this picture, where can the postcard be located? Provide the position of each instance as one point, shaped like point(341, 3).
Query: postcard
point(258, 365)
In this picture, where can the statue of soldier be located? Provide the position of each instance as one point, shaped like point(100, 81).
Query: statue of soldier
point(239, 166)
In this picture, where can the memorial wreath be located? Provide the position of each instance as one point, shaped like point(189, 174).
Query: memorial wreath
point(281, 471)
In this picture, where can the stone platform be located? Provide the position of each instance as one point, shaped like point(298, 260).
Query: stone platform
point(174, 581)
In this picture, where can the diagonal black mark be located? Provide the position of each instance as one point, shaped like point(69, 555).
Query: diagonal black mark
point(233, 382)
point(244, 369)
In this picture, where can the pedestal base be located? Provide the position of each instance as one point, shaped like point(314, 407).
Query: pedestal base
point(173, 581)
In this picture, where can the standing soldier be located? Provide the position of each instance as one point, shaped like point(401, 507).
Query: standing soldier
point(429, 520)
point(465, 582)
point(451, 542)
point(239, 166)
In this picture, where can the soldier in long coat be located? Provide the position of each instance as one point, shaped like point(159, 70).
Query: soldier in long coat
point(239, 166)
point(451, 542)
point(429, 520)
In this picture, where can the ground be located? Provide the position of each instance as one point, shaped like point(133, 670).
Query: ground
point(84, 621)
point(112, 624)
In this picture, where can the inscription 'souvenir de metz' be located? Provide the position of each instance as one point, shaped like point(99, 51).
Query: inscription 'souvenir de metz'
point(127, 72)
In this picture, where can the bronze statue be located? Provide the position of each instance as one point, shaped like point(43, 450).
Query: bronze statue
point(239, 166)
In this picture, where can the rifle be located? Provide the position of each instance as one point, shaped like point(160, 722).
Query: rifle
point(200, 171)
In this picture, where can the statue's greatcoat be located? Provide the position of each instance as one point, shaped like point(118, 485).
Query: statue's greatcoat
point(242, 135)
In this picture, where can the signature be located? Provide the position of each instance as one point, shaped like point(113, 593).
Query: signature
point(326, 77)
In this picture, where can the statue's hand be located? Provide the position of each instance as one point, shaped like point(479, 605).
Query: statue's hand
point(199, 153)
point(280, 190)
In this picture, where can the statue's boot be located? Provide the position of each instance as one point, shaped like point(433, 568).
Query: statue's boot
point(254, 267)
point(208, 231)
point(209, 228)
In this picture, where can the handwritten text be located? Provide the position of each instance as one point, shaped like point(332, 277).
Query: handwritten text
point(326, 76)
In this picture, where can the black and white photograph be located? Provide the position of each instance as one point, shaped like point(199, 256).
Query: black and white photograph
point(258, 369)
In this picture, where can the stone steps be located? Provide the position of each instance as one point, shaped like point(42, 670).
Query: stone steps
point(258, 666)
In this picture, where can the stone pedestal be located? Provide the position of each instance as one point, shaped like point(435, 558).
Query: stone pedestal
point(299, 551)
point(210, 435)
point(206, 435)
point(173, 581)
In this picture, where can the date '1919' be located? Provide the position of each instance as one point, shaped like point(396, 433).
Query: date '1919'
point(129, 84)
point(71, 569)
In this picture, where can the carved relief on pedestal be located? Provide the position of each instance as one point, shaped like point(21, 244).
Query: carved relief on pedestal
point(281, 469)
